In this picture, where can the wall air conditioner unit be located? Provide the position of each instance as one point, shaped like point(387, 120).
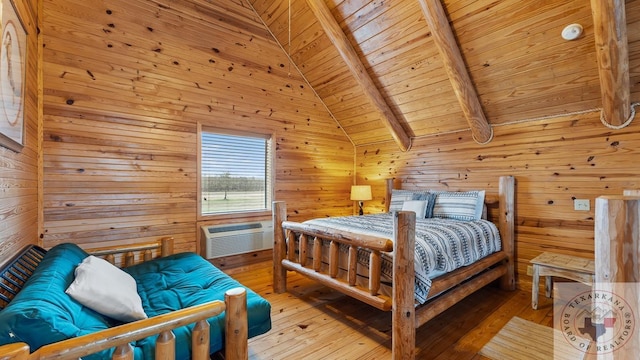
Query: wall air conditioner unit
point(232, 239)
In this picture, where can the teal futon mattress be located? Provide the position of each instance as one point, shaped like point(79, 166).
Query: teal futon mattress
point(42, 313)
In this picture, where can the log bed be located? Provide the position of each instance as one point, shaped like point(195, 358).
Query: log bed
point(446, 290)
point(121, 336)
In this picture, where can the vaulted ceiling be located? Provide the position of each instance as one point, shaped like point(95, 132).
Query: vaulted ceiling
point(396, 70)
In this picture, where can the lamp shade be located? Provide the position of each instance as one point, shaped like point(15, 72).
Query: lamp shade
point(360, 192)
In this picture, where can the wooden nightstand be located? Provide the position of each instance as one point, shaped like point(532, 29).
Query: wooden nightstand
point(566, 266)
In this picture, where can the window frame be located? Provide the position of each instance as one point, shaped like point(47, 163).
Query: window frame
point(270, 136)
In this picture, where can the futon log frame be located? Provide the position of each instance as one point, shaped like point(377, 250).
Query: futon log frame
point(236, 347)
point(446, 290)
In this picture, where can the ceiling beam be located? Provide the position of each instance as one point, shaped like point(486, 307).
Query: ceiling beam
point(456, 69)
point(612, 49)
point(340, 41)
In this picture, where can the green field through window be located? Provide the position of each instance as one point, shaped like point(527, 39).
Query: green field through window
point(234, 173)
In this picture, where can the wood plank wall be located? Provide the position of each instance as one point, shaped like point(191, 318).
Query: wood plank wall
point(554, 161)
point(19, 171)
point(126, 83)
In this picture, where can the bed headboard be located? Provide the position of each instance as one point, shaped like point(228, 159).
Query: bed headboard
point(491, 199)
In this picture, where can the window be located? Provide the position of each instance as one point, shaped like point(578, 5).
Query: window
point(235, 172)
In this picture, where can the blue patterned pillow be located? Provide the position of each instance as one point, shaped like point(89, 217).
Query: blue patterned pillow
point(459, 205)
point(431, 201)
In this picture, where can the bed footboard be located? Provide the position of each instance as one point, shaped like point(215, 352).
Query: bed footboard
point(161, 325)
point(287, 257)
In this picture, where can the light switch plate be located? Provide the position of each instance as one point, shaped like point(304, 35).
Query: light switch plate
point(581, 205)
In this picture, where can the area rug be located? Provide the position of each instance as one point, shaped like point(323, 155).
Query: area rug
point(525, 340)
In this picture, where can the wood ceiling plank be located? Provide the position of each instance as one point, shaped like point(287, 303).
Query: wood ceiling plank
point(351, 59)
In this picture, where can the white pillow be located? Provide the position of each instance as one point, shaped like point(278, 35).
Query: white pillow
point(417, 206)
point(104, 288)
point(398, 197)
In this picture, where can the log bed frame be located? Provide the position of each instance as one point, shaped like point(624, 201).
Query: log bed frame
point(236, 328)
point(446, 290)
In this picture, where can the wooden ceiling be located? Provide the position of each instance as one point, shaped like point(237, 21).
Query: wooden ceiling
point(396, 70)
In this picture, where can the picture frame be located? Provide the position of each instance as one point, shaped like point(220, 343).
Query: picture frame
point(13, 60)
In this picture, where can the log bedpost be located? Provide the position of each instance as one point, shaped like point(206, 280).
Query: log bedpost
point(236, 325)
point(387, 196)
point(403, 315)
point(279, 247)
point(506, 223)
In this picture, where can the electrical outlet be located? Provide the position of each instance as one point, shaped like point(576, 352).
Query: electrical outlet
point(581, 205)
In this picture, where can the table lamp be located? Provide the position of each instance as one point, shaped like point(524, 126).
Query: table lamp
point(360, 193)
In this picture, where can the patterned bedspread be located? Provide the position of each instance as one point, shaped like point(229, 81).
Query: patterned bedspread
point(442, 245)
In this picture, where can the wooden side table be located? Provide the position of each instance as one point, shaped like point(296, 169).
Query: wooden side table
point(566, 266)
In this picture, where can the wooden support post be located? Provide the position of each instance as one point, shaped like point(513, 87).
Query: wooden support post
point(404, 315)
point(200, 340)
point(237, 327)
point(279, 247)
point(111, 259)
point(612, 50)
point(506, 193)
point(166, 346)
point(617, 239)
point(147, 255)
point(617, 265)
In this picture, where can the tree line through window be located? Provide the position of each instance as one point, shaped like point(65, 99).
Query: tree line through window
point(235, 173)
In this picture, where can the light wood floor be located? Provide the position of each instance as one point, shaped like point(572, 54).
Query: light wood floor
point(314, 322)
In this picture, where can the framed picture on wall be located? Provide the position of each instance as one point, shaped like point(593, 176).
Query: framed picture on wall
point(13, 59)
